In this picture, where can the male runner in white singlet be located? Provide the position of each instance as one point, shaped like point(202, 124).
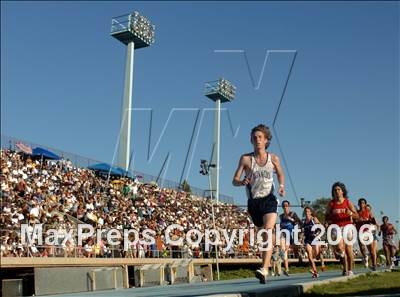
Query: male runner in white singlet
point(262, 204)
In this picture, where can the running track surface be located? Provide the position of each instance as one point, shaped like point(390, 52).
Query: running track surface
point(211, 288)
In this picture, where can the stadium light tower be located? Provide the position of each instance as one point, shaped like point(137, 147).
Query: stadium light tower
point(135, 31)
point(219, 91)
point(205, 170)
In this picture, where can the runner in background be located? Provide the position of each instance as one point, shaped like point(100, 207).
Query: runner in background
point(288, 220)
point(312, 247)
point(389, 246)
point(341, 212)
point(366, 217)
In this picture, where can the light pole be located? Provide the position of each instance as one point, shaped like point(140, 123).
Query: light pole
point(205, 170)
point(135, 31)
point(219, 91)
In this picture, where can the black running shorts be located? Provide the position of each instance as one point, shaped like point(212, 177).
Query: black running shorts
point(258, 207)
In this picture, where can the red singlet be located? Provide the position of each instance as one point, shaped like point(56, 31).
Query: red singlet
point(339, 214)
point(366, 216)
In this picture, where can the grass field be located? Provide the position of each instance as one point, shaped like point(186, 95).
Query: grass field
point(370, 284)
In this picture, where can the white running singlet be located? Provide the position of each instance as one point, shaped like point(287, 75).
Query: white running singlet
point(261, 178)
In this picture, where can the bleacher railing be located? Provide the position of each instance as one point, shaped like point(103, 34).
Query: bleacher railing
point(59, 251)
point(83, 162)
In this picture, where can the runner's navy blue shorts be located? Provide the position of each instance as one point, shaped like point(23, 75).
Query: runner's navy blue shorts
point(258, 207)
point(309, 240)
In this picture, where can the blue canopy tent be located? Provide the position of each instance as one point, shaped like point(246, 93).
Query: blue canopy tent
point(105, 168)
point(41, 152)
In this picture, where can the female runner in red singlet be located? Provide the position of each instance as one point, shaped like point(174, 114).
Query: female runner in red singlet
point(341, 212)
point(366, 217)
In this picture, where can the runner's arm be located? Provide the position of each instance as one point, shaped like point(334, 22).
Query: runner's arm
point(373, 219)
point(279, 174)
point(353, 210)
point(297, 219)
point(238, 173)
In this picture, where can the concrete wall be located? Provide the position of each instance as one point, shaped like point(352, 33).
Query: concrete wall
point(11, 287)
point(75, 279)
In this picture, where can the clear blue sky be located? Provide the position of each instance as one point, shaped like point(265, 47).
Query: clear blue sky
point(62, 83)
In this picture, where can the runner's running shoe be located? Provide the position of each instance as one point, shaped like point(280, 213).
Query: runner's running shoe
point(315, 274)
point(262, 274)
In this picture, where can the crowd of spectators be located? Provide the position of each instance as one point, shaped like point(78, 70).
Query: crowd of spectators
point(59, 195)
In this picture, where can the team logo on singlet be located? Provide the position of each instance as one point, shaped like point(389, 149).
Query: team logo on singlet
point(338, 210)
point(261, 174)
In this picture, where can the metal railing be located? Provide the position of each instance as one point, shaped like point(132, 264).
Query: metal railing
point(58, 251)
point(83, 162)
